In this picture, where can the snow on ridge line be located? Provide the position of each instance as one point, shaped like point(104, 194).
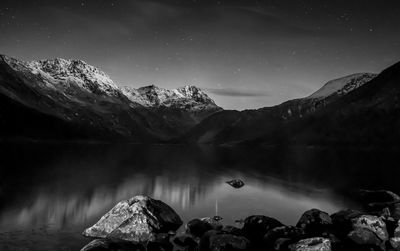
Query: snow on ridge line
point(152, 95)
point(342, 85)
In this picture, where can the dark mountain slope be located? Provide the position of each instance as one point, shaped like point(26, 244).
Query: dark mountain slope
point(368, 116)
point(234, 127)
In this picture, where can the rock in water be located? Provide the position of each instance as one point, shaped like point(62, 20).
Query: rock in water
point(135, 220)
point(236, 183)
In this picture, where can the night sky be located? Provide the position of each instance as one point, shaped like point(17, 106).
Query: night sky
point(244, 53)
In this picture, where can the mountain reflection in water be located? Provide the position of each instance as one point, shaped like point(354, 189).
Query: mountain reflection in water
point(51, 192)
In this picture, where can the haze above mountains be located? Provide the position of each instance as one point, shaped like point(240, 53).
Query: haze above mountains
point(71, 100)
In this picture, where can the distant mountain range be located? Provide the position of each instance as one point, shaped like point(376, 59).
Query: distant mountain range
point(69, 99)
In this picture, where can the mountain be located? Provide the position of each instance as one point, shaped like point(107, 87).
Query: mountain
point(187, 98)
point(368, 116)
point(232, 127)
point(71, 99)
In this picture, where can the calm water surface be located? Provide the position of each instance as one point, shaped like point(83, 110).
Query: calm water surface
point(50, 192)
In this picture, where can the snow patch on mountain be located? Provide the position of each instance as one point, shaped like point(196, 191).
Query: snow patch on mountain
point(61, 73)
point(187, 97)
point(70, 77)
point(343, 85)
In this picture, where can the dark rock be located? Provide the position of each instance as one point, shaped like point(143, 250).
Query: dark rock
point(215, 221)
point(204, 244)
point(228, 242)
point(372, 223)
point(217, 218)
point(198, 227)
point(312, 244)
point(236, 183)
point(395, 211)
point(292, 233)
point(232, 230)
point(282, 244)
point(377, 196)
point(396, 231)
point(185, 241)
point(315, 222)
point(135, 220)
point(376, 201)
point(365, 237)
point(256, 226)
point(385, 213)
point(392, 227)
point(160, 242)
point(342, 221)
point(219, 241)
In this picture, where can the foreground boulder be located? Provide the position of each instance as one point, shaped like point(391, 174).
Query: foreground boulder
point(219, 241)
point(372, 223)
point(315, 222)
point(284, 235)
point(256, 226)
point(312, 244)
point(185, 241)
point(378, 200)
point(197, 227)
point(365, 237)
point(342, 221)
point(135, 220)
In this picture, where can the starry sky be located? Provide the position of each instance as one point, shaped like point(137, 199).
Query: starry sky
point(243, 53)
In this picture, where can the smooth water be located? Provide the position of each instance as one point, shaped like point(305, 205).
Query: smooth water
point(49, 193)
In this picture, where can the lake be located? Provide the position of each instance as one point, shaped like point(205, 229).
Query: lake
point(50, 192)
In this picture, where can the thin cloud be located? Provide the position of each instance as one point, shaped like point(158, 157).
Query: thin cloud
point(236, 92)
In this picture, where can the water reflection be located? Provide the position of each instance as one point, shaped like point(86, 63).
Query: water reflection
point(190, 196)
point(50, 193)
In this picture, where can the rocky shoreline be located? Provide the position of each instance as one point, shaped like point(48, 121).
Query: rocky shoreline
point(143, 223)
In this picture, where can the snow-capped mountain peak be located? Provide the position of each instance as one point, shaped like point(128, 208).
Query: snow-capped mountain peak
point(342, 85)
point(65, 74)
point(70, 77)
point(187, 97)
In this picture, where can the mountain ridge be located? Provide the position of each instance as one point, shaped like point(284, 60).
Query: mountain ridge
point(88, 104)
point(80, 94)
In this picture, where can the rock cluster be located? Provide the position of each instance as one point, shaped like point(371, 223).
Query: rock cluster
point(142, 223)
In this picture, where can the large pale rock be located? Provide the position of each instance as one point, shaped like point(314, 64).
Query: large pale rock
point(372, 223)
point(135, 220)
point(312, 244)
